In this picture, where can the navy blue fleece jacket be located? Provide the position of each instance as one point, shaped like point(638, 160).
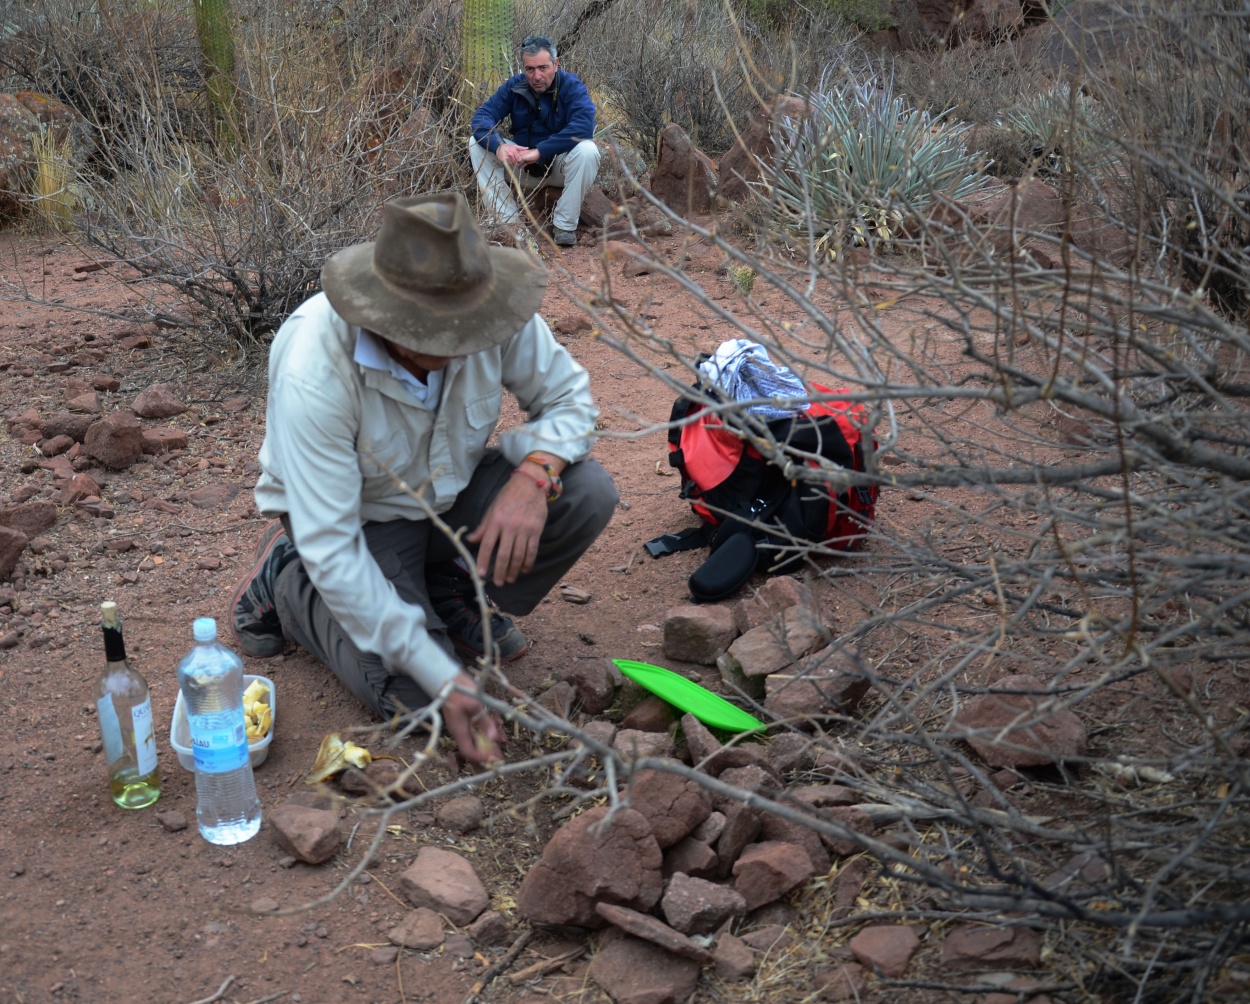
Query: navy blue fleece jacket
point(552, 123)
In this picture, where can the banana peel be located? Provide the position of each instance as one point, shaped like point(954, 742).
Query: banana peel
point(257, 713)
point(335, 756)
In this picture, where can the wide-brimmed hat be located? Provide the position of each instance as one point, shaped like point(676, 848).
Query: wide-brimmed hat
point(431, 282)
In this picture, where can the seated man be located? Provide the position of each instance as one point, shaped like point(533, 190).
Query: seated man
point(552, 122)
point(388, 386)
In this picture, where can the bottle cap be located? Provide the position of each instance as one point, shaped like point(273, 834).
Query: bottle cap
point(204, 629)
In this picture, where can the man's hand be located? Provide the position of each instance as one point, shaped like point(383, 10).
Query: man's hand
point(510, 530)
point(475, 729)
point(516, 156)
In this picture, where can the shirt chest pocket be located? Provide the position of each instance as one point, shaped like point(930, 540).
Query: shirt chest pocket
point(380, 456)
point(483, 412)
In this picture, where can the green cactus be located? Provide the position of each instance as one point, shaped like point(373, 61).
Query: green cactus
point(215, 27)
point(485, 49)
point(743, 279)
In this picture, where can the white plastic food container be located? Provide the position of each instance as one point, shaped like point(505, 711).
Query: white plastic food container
point(180, 730)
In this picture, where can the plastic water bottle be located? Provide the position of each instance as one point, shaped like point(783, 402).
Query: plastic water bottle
point(211, 680)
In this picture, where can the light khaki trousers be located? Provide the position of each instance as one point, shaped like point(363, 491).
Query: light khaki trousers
point(574, 171)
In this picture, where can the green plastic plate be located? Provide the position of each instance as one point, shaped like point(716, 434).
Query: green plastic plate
point(688, 696)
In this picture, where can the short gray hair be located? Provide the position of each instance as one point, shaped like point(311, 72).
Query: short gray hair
point(532, 45)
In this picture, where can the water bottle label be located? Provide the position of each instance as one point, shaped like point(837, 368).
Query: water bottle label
point(110, 728)
point(220, 744)
point(145, 739)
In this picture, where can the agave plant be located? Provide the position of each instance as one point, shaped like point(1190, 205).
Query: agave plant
point(1064, 127)
point(862, 160)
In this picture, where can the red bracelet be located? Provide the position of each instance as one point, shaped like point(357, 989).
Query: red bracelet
point(538, 481)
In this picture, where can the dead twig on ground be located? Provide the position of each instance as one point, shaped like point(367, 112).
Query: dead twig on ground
point(221, 992)
point(499, 966)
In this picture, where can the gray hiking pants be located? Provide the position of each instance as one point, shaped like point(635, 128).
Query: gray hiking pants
point(403, 548)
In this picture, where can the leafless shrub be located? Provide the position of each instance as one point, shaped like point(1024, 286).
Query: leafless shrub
point(1069, 422)
point(973, 82)
point(653, 63)
point(329, 130)
point(1063, 408)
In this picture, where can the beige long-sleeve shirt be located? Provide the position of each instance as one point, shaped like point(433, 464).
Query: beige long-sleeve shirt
point(338, 434)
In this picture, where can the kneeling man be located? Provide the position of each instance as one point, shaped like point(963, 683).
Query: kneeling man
point(389, 384)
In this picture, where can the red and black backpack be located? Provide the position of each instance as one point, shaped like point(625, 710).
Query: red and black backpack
point(740, 495)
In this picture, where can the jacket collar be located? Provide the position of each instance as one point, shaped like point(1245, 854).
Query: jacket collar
point(522, 87)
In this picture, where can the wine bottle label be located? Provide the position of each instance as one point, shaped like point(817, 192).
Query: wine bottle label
point(110, 728)
point(218, 741)
point(145, 738)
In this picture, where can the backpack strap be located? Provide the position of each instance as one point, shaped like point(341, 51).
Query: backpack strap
point(686, 540)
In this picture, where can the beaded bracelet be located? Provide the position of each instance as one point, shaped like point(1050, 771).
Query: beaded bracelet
point(556, 488)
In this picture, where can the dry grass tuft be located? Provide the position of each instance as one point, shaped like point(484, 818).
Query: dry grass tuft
point(53, 194)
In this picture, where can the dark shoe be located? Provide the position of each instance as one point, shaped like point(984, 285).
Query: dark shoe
point(257, 630)
point(564, 238)
point(454, 600)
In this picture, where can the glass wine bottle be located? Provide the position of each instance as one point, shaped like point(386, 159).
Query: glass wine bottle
point(125, 713)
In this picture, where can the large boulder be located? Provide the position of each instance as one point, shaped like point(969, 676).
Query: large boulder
point(1020, 729)
point(592, 860)
point(755, 147)
point(68, 128)
point(17, 128)
point(1092, 37)
point(684, 177)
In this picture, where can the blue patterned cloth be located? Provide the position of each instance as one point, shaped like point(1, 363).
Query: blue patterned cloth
point(741, 370)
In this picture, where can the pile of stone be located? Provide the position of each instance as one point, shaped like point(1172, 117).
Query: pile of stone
point(684, 872)
point(667, 878)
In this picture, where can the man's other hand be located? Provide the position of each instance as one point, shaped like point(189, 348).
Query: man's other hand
point(516, 156)
point(476, 730)
point(510, 530)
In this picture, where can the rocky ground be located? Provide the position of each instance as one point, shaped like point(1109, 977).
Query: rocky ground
point(104, 905)
point(128, 461)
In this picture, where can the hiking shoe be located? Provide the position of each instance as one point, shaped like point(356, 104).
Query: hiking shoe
point(454, 600)
point(564, 238)
point(257, 630)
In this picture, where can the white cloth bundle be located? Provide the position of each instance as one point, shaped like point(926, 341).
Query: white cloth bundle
point(741, 370)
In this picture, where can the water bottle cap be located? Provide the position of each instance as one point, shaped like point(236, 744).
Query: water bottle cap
point(204, 629)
